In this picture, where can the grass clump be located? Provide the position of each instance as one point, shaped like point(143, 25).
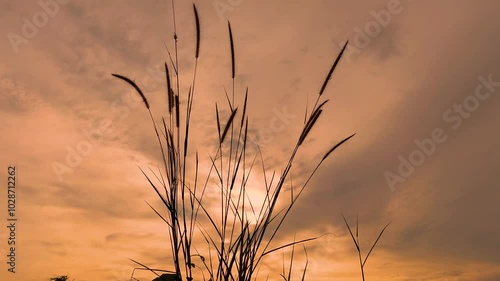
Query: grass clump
point(60, 278)
point(235, 243)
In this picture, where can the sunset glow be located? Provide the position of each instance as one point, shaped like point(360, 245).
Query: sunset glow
point(417, 85)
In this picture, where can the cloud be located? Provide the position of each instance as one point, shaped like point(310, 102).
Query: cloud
point(59, 88)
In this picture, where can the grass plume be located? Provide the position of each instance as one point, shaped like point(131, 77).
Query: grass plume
point(231, 42)
point(146, 103)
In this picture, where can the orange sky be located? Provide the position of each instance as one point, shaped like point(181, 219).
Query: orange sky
point(417, 84)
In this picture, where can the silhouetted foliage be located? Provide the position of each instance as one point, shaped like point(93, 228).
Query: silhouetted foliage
point(60, 278)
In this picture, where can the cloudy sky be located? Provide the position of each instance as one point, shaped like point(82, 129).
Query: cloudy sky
point(417, 83)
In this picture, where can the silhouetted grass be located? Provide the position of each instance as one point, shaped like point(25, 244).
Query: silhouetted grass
point(236, 245)
point(362, 261)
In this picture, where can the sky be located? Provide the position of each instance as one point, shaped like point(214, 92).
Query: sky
point(417, 84)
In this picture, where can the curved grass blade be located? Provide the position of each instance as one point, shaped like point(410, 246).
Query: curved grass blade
point(170, 225)
point(307, 263)
point(150, 269)
point(380, 235)
point(336, 146)
point(135, 87)
point(290, 244)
